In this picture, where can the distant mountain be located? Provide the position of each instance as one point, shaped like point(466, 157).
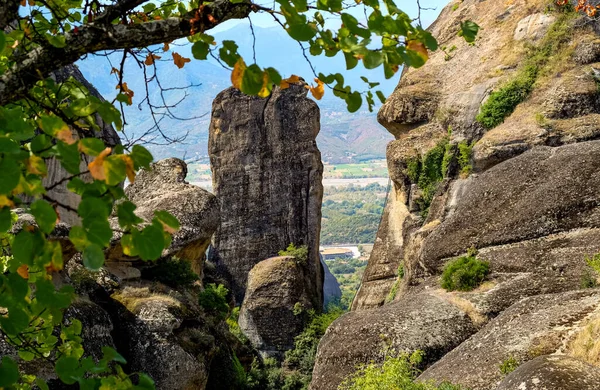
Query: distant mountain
point(344, 137)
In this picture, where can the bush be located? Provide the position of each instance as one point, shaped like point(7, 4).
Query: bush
point(465, 151)
point(464, 274)
point(214, 300)
point(300, 253)
point(174, 273)
point(508, 365)
point(396, 372)
point(234, 326)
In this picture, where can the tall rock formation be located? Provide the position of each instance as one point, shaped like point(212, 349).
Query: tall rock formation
point(518, 186)
point(267, 175)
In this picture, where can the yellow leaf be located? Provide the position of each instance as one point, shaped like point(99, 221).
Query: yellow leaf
point(96, 167)
point(285, 83)
point(317, 91)
point(129, 168)
point(179, 60)
point(237, 73)
point(150, 58)
point(419, 48)
point(23, 271)
point(267, 86)
point(35, 164)
point(5, 202)
point(66, 136)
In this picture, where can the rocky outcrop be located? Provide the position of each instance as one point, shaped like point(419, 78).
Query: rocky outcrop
point(267, 174)
point(163, 187)
point(552, 372)
point(274, 309)
point(535, 326)
point(522, 196)
point(331, 287)
point(424, 322)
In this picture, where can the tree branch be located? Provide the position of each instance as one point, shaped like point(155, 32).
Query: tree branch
point(38, 63)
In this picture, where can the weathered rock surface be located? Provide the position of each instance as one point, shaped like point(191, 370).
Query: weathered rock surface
point(270, 314)
point(163, 187)
point(331, 287)
point(267, 174)
point(535, 326)
point(552, 372)
point(423, 322)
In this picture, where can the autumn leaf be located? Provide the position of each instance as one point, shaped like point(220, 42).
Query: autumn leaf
point(285, 83)
point(151, 58)
point(166, 46)
point(115, 70)
point(419, 48)
point(179, 60)
point(66, 136)
point(5, 202)
point(96, 167)
point(127, 92)
point(23, 3)
point(35, 165)
point(129, 167)
point(23, 271)
point(267, 86)
point(238, 73)
point(317, 91)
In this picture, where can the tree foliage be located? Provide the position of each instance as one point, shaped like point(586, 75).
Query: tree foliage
point(42, 119)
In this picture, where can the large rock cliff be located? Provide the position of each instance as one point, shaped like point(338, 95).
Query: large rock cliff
point(516, 184)
point(267, 174)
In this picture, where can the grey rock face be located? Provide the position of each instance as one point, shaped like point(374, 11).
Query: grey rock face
point(276, 287)
point(553, 373)
point(423, 322)
point(331, 287)
point(267, 174)
point(535, 326)
point(163, 187)
point(541, 192)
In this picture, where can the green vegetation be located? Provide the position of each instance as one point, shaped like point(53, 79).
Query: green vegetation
point(540, 58)
point(465, 152)
point(296, 371)
point(213, 299)
point(351, 214)
point(508, 365)
point(300, 254)
point(394, 291)
point(395, 373)
point(234, 326)
point(174, 272)
point(590, 277)
point(348, 273)
point(464, 273)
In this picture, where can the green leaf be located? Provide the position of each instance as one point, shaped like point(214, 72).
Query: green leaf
point(78, 238)
point(92, 208)
point(144, 383)
point(381, 96)
point(141, 157)
point(41, 384)
point(16, 321)
point(44, 214)
point(57, 41)
point(351, 61)
point(252, 80)
point(2, 41)
point(69, 157)
point(8, 146)
point(149, 242)
point(91, 146)
point(200, 50)
point(111, 355)
point(93, 257)
point(10, 175)
point(372, 59)
point(167, 219)
point(66, 369)
point(228, 53)
point(274, 75)
point(354, 101)
point(468, 30)
point(98, 231)
point(23, 249)
point(5, 220)
point(126, 215)
point(83, 107)
point(302, 32)
point(9, 372)
point(115, 170)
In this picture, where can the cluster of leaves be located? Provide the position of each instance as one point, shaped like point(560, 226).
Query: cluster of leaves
point(269, 375)
point(396, 372)
point(234, 326)
point(213, 299)
point(464, 274)
point(300, 254)
point(173, 272)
